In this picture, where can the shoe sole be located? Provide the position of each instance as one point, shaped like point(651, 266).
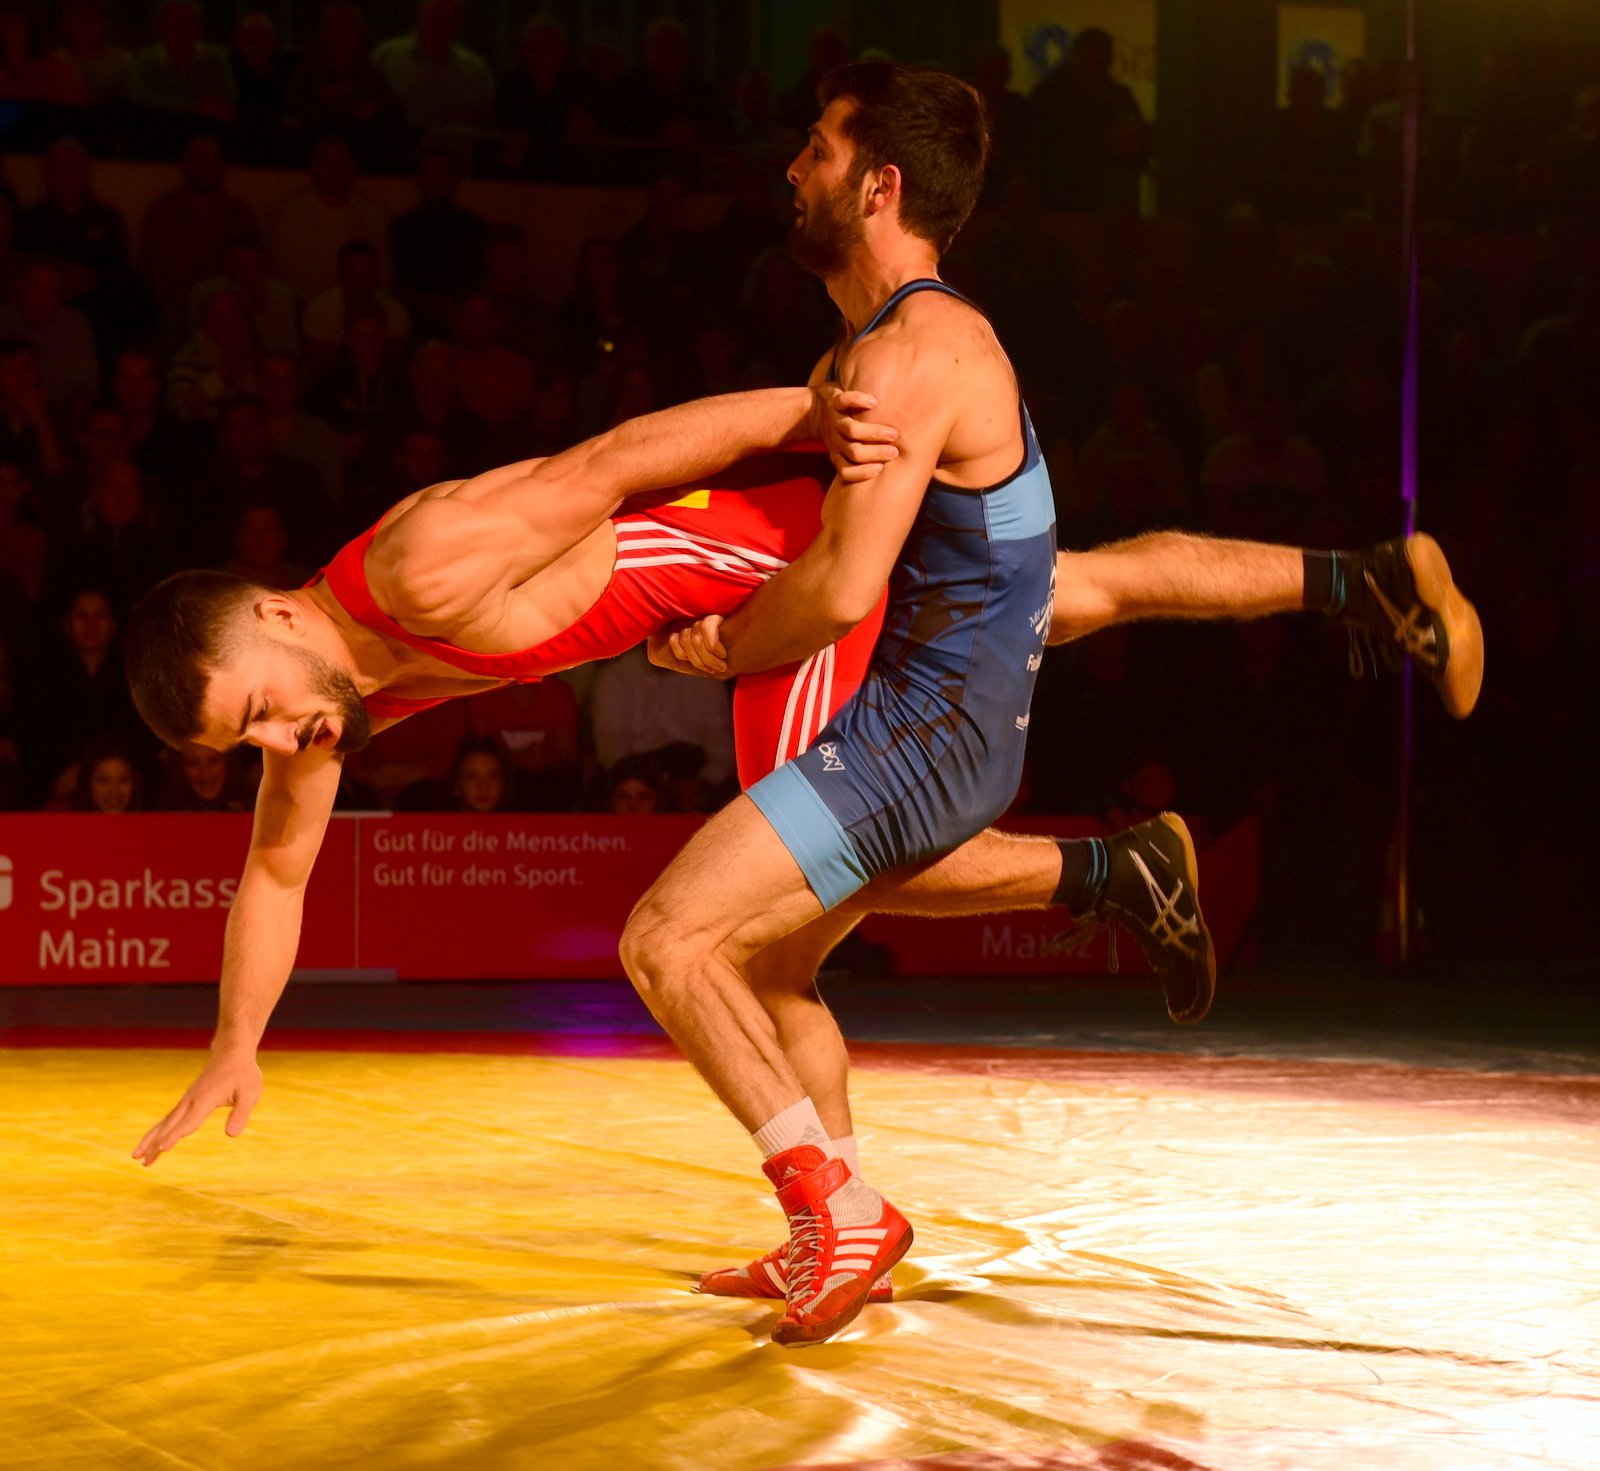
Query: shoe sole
point(874, 1297)
point(1180, 829)
point(1462, 679)
point(802, 1334)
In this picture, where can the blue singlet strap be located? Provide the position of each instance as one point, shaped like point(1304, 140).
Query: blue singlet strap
point(925, 283)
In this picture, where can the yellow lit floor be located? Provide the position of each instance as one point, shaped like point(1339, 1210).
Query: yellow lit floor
point(485, 1262)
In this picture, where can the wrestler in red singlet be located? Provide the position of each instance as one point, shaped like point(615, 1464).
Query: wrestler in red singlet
point(677, 560)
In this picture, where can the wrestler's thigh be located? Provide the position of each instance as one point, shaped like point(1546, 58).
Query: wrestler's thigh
point(734, 888)
point(991, 872)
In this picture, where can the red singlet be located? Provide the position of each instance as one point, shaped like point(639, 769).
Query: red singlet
point(705, 552)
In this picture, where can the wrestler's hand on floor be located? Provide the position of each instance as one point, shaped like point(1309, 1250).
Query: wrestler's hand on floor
point(229, 1080)
point(859, 450)
point(693, 649)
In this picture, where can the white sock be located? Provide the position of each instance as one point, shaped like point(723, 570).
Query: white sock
point(798, 1124)
point(845, 1147)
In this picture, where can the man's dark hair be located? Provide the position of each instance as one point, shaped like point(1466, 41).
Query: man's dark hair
point(181, 631)
point(929, 125)
point(351, 249)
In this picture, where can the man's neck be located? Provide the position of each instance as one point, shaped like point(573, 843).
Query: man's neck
point(371, 660)
point(874, 275)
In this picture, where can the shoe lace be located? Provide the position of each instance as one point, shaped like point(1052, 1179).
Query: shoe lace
point(805, 1244)
point(1173, 930)
point(1411, 633)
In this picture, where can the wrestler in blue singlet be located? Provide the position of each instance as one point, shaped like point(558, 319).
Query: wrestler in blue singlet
point(929, 751)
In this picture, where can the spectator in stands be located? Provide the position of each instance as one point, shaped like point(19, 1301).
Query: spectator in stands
point(73, 692)
point(440, 83)
point(362, 390)
point(10, 752)
point(1306, 181)
point(260, 550)
point(103, 69)
point(432, 401)
point(1575, 168)
point(107, 780)
point(157, 441)
point(182, 73)
point(1130, 429)
point(437, 245)
point(247, 471)
point(22, 539)
point(527, 319)
point(337, 88)
point(634, 788)
point(261, 72)
point(635, 708)
point(295, 434)
point(311, 225)
point(1266, 481)
point(602, 76)
point(537, 726)
point(480, 779)
point(1008, 119)
point(90, 241)
point(494, 379)
point(417, 753)
point(785, 331)
point(273, 307)
point(358, 289)
point(69, 367)
point(102, 443)
point(664, 101)
point(27, 73)
point(797, 106)
point(189, 231)
point(752, 107)
point(221, 360)
point(552, 426)
point(542, 99)
point(199, 779)
point(1089, 134)
point(121, 544)
point(382, 480)
point(596, 314)
point(27, 429)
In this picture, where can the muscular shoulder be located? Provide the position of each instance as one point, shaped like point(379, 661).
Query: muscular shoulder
point(932, 337)
point(427, 564)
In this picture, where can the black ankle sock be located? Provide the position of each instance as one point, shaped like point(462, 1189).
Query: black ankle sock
point(1085, 867)
point(1325, 581)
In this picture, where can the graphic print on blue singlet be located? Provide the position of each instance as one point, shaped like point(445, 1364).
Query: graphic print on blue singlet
point(929, 751)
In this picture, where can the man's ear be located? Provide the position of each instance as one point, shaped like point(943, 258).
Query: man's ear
point(280, 614)
point(885, 189)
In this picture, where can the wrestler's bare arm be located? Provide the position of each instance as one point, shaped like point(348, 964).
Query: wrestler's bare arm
point(451, 555)
point(263, 933)
point(838, 579)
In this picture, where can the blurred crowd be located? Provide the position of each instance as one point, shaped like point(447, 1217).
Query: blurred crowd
point(234, 387)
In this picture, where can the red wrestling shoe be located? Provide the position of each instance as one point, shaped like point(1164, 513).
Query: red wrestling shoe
point(843, 1236)
point(768, 1277)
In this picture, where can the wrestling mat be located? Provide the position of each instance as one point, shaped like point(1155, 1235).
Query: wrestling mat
point(473, 1258)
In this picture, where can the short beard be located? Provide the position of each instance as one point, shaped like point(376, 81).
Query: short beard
point(355, 725)
point(823, 238)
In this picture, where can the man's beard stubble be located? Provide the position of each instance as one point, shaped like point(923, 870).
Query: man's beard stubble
point(822, 239)
point(355, 725)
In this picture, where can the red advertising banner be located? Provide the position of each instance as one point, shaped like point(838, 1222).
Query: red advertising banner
point(491, 898)
point(145, 897)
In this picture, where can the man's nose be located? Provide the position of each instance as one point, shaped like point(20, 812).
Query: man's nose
point(276, 735)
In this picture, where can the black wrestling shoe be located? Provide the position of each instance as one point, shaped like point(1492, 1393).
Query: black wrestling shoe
point(1408, 605)
point(1153, 891)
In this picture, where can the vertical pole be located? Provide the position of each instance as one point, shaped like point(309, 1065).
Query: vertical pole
point(1408, 460)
